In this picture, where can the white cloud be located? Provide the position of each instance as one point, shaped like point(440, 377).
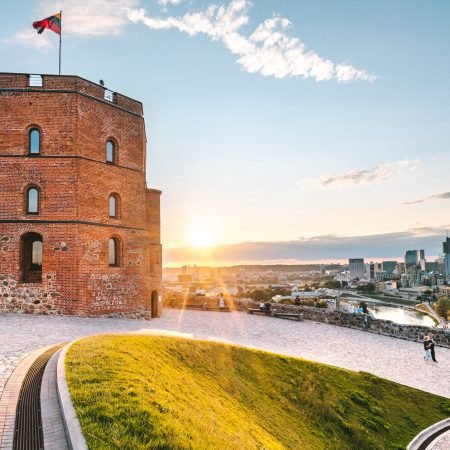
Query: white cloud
point(441, 196)
point(269, 50)
point(28, 37)
point(169, 2)
point(90, 17)
point(375, 175)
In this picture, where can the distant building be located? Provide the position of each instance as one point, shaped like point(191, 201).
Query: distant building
point(414, 259)
point(357, 268)
point(185, 278)
point(447, 264)
point(373, 271)
point(446, 246)
point(389, 268)
point(432, 266)
point(410, 259)
point(446, 256)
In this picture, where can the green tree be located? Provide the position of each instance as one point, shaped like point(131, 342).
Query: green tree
point(443, 307)
point(368, 288)
point(332, 284)
point(259, 295)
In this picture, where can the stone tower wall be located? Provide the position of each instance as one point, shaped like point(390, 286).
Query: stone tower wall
point(75, 182)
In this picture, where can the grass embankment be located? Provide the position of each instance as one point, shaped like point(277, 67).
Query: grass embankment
point(146, 392)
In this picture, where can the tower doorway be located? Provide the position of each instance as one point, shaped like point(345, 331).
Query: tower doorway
point(154, 301)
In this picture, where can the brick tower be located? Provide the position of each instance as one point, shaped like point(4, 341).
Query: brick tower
point(79, 229)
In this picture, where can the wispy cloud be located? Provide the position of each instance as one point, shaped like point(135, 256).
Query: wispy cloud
point(375, 175)
point(441, 196)
point(324, 247)
point(27, 37)
point(269, 50)
point(91, 17)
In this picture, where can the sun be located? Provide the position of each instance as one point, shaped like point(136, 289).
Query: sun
point(200, 237)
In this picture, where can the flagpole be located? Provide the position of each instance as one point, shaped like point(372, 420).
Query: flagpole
point(60, 33)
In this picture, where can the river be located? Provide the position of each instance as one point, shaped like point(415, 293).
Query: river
point(397, 314)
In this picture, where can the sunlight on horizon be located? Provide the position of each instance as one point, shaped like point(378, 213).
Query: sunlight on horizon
point(200, 236)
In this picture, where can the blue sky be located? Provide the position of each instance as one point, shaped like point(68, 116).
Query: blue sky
point(271, 121)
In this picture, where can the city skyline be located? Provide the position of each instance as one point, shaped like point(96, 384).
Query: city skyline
point(276, 132)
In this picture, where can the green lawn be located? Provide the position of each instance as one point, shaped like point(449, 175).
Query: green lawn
point(147, 392)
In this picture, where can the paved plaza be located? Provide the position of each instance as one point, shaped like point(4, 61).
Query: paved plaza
point(391, 358)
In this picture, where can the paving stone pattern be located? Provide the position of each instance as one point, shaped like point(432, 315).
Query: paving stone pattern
point(443, 443)
point(391, 358)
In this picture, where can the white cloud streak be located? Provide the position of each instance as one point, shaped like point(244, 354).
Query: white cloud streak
point(441, 196)
point(269, 50)
point(352, 178)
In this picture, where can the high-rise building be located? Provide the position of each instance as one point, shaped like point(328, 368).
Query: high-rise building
point(357, 268)
point(446, 255)
point(432, 266)
point(446, 245)
point(410, 259)
point(389, 267)
point(414, 259)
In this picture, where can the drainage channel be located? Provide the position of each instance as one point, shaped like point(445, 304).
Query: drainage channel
point(28, 433)
point(427, 442)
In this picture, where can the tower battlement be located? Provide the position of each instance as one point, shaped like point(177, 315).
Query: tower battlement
point(57, 84)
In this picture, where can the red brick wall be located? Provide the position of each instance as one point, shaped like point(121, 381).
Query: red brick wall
point(75, 183)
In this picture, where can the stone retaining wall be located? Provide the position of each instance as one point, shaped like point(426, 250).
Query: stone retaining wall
point(344, 319)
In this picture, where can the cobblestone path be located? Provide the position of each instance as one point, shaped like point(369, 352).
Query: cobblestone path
point(391, 358)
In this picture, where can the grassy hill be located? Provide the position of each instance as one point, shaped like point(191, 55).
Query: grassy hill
point(147, 392)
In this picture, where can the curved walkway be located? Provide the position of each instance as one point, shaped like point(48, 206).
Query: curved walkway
point(390, 358)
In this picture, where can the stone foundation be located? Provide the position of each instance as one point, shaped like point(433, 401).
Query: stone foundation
point(29, 298)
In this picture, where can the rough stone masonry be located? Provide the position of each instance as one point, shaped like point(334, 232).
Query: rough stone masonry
point(79, 229)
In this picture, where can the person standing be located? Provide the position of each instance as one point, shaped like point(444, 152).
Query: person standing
point(426, 347)
point(432, 343)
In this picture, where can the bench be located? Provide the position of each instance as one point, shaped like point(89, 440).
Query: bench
point(193, 306)
point(266, 312)
point(282, 315)
point(218, 309)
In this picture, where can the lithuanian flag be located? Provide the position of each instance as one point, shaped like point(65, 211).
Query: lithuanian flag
point(52, 22)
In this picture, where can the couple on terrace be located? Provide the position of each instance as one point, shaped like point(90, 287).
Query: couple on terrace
point(428, 345)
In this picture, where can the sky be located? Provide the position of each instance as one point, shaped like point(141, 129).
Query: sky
point(277, 130)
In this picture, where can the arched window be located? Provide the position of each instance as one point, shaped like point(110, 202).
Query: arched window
point(113, 252)
point(31, 258)
point(34, 142)
point(114, 205)
point(110, 152)
point(32, 201)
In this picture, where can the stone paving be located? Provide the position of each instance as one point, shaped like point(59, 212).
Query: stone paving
point(391, 358)
point(443, 443)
